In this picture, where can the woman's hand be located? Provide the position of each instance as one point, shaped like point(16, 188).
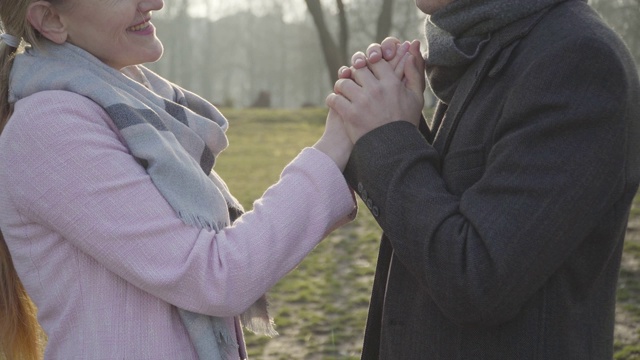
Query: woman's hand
point(334, 142)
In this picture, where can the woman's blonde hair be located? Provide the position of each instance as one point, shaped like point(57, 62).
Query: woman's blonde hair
point(13, 21)
point(21, 337)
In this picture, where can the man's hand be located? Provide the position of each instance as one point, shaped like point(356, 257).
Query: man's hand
point(366, 96)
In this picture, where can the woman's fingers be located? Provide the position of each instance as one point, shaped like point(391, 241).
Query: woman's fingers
point(374, 53)
point(359, 60)
point(344, 72)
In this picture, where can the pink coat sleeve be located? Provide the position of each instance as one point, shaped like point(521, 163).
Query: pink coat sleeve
point(88, 189)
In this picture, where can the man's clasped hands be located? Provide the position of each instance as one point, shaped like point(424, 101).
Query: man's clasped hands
point(382, 86)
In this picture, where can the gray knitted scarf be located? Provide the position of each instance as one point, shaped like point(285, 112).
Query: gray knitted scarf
point(457, 33)
point(174, 134)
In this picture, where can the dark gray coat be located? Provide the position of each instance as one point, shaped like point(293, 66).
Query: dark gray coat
point(504, 224)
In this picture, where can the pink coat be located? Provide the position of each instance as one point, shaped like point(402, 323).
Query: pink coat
point(104, 256)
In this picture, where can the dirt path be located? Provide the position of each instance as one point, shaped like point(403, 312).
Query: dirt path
point(627, 330)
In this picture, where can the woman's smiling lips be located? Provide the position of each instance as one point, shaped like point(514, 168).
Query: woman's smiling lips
point(146, 24)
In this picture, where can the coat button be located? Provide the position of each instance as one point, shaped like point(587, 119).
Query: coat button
point(370, 204)
point(375, 211)
point(365, 195)
point(360, 188)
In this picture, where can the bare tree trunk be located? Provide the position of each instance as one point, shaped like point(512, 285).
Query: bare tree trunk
point(632, 38)
point(332, 56)
point(178, 24)
point(406, 29)
point(384, 20)
point(344, 31)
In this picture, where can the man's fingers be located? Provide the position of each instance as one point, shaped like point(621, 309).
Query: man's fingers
point(400, 52)
point(338, 103)
point(388, 47)
point(415, 79)
point(366, 75)
point(400, 66)
point(414, 50)
point(347, 88)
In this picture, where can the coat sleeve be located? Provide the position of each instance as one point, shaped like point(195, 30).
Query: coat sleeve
point(555, 169)
point(90, 191)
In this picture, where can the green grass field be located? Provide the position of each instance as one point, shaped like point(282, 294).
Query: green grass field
point(320, 308)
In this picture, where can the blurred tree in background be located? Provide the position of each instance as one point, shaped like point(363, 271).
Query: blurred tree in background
point(624, 17)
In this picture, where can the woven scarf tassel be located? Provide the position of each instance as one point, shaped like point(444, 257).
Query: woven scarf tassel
point(257, 320)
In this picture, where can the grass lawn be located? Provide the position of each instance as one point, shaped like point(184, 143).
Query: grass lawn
point(320, 308)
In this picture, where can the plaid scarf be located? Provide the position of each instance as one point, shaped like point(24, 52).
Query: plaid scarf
point(457, 33)
point(174, 134)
